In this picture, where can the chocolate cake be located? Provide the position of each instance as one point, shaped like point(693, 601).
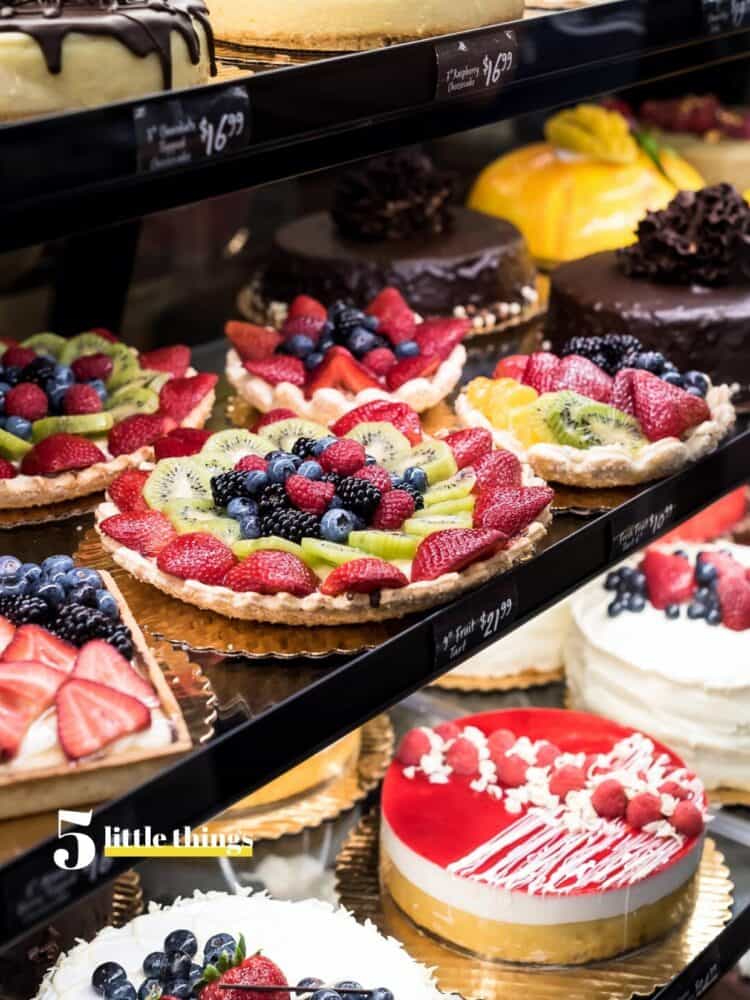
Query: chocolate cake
point(683, 289)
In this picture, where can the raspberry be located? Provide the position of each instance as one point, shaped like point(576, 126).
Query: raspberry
point(363, 576)
point(469, 445)
point(500, 742)
point(18, 357)
point(674, 789)
point(7, 469)
point(643, 809)
point(609, 799)
point(394, 508)
point(546, 754)
point(28, 401)
point(196, 556)
point(81, 399)
point(376, 475)
point(448, 731)
point(272, 572)
point(463, 757)
point(344, 456)
point(567, 778)
point(379, 360)
point(91, 366)
point(251, 463)
point(511, 770)
point(307, 326)
point(309, 495)
point(687, 819)
point(413, 747)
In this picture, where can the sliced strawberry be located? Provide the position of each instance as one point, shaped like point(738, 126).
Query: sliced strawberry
point(272, 572)
point(453, 550)
point(344, 457)
point(277, 369)
point(134, 433)
point(32, 642)
point(394, 508)
point(717, 519)
point(669, 578)
point(7, 469)
point(417, 366)
point(469, 445)
point(126, 491)
point(397, 324)
point(61, 453)
point(305, 326)
point(14, 723)
point(510, 509)
point(341, 370)
point(734, 601)
point(7, 631)
point(663, 410)
point(98, 661)
point(174, 359)
point(622, 391)
point(387, 300)
point(379, 360)
point(31, 682)
point(584, 377)
point(306, 305)
point(541, 371)
point(309, 495)
point(498, 468)
point(363, 576)
point(273, 417)
point(400, 415)
point(726, 565)
point(252, 343)
point(90, 716)
point(441, 336)
point(180, 396)
point(180, 442)
point(147, 532)
point(196, 556)
point(512, 366)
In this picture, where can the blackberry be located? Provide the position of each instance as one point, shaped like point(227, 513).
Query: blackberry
point(345, 319)
point(359, 496)
point(226, 486)
point(303, 447)
point(120, 637)
point(331, 477)
point(294, 525)
point(22, 609)
point(414, 493)
point(39, 371)
point(608, 352)
point(77, 624)
point(272, 498)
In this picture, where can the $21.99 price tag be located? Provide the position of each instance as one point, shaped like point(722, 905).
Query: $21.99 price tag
point(472, 623)
point(475, 64)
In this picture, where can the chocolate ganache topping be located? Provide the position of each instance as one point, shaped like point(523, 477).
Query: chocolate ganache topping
point(143, 26)
point(393, 197)
point(700, 238)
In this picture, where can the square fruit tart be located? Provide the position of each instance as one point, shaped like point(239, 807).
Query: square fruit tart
point(298, 524)
point(324, 362)
point(75, 412)
point(603, 413)
point(85, 711)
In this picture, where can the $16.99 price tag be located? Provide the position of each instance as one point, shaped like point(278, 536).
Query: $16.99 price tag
point(475, 64)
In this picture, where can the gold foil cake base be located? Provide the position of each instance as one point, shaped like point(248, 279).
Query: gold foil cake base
point(24, 516)
point(310, 810)
point(205, 631)
point(510, 682)
point(589, 503)
point(476, 979)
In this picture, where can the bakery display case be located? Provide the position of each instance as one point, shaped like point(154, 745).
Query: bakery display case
point(374, 454)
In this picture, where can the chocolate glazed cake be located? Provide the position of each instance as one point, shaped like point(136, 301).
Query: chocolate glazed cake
point(391, 224)
point(682, 289)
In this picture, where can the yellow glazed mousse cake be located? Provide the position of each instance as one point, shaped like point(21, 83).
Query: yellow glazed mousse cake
point(540, 836)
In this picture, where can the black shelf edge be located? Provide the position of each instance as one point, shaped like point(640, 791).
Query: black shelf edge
point(33, 889)
point(79, 171)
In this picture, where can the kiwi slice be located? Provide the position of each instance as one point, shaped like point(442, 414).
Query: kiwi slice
point(130, 400)
point(561, 418)
point(385, 544)
point(381, 440)
point(125, 366)
point(89, 424)
point(282, 435)
point(457, 506)
point(454, 488)
point(434, 456)
point(247, 546)
point(156, 380)
point(177, 479)
point(231, 445)
point(439, 522)
point(11, 447)
point(330, 552)
point(84, 343)
point(201, 515)
point(603, 424)
point(46, 343)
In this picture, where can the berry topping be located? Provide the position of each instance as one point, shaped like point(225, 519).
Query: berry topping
point(441, 336)
point(513, 366)
point(309, 495)
point(7, 469)
point(463, 757)
point(498, 468)
point(394, 508)
point(687, 819)
point(363, 576)
point(196, 556)
point(669, 578)
point(254, 971)
point(90, 716)
point(499, 742)
point(413, 747)
point(341, 370)
point(674, 789)
point(541, 371)
point(567, 778)
point(306, 305)
point(180, 396)
point(447, 731)
point(643, 809)
point(107, 975)
point(734, 600)
point(419, 366)
point(174, 359)
point(100, 662)
point(359, 496)
point(90, 367)
point(662, 409)
point(252, 343)
point(377, 475)
point(511, 509)
point(581, 375)
point(511, 769)
point(546, 754)
point(136, 432)
point(18, 357)
point(79, 398)
point(180, 442)
point(379, 360)
point(343, 457)
point(148, 532)
point(469, 446)
point(277, 369)
point(30, 642)
point(126, 491)
point(28, 401)
point(608, 352)
point(452, 550)
point(271, 571)
point(402, 417)
point(60, 453)
point(251, 463)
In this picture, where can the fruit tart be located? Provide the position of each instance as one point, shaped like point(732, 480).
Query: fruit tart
point(603, 413)
point(85, 711)
point(297, 523)
point(323, 362)
point(75, 412)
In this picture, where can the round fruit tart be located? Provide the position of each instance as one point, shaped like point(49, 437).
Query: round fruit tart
point(325, 362)
point(603, 413)
point(298, 524)
point(75, 412)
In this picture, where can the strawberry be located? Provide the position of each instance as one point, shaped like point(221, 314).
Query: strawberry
point(401, 415)
point(394, 508)
point(363, 576)
point(734, 601)
point(498, 468)
point(60, 453)
point(277, 369)
point(309, 495)
point(622, 391)
point(417, 366)
point(397, 324)
point(174, 359)
point(609, 799)
point(27, 400)
point(344, 457)
point(272, 572)
point(341, 370)
point(643, 809)
point(511, 509)
point(512, 366)
point(306, 305)
point(252, 343)
point(180, 442)
point(254, 971)
point(180, 396)
point(272, 417)
point(80, 399)
point(413, 747)
point(463, 758)
point(441, 336)
point(100, 662)
point(18, 357)
point(91, 716)
point(469, 445)
point(7, 469)
point(196, 556)
point(669, 578)
point(376, 475)
point(126, 490)
point(387, 300)
point(307, 326)
point(687, 819)
point(7, 631)
point(132, 433)
point(541, 371)
point(91, 366)
point(379, 360)
point(726, 564)
point(584, 377)
point(714, 521)
point(146, 532)
point(32, 642)
point(452, 550)
point(251, 463)
point(663, 410)
point(26, 690)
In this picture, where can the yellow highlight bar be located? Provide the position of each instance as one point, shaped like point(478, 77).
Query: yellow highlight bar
point(237, 851)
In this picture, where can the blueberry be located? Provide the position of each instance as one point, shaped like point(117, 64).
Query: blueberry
point(321, 444)
point(636, 602)
point(9, 566)
point(672, 611)
point(360, 341)
point(351, 984)
point(313, 359)
point(19, 427)
point(12, 375)
point(651, 361)
point(416, 477)
point(694, 391)
point(696, 609)
point(280, 469)
point(12, 585)
point(239, 507)
point(335, 525)
point(84, 593)
point(121, 991)
point(220, 941)
point(325, 994)
point(299, 345)
point(155, 964)
point(713, 616)
point(336, 503)
point(106, 603)
point(276, 453)
point(381, 993)
point(705, 573)
point(107, 974)
point(614, 608)
point(178, 963)
point(673, 378)
point(181, 989)
point(704, 595)
point(406, 349)
point(612, 580)
point(4, 387)
point(310, 470)
point(696, 380)
point(64, 376)
point(255, 481)
point(250, 526)
point(325, 344)
point(370, 460)
point(181, 940)
point(82, 574)
point(99, 388)
point(196, 973)
point(150, 989)
point(638, 582)
point(682, 554)
point(309, 983)
point(30, 572)
point(52, 593)
point(396, 480)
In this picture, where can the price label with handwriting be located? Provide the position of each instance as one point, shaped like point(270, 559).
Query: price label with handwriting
point(635, 527)
point(463, 628)
point(180, 131)
point(475, 64)
point(726, 15)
